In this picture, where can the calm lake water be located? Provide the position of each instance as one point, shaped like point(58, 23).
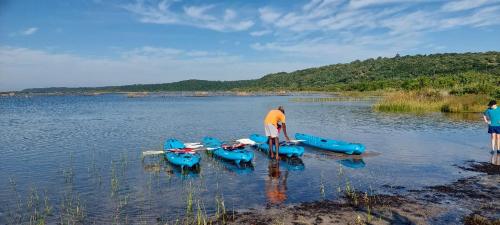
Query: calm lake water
point(85, 151)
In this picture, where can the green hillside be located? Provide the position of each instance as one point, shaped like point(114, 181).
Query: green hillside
point(458, 72)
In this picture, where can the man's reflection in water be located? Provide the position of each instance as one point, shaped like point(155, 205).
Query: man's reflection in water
point(495, 159)
point(276, 183)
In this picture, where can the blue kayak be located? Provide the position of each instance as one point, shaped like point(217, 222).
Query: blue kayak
point(331, 145)
point(233, 153)
point(285, 149)
point(177, 154)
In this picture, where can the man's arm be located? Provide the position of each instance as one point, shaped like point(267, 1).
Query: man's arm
point(485, 118)
point(284, 132)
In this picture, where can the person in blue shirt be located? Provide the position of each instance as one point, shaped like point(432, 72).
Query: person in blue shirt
point(492, 118)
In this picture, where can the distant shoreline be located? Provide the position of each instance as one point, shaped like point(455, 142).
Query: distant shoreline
point(392, 101)
point(459, 73)
point(166, 93)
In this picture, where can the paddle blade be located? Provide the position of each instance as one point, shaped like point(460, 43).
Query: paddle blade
point(246, 141)
point(154, 152)
point(193, 145)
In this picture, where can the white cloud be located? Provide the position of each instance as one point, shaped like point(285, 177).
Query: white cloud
point(370, 3)
point(487, 16)
point(27, 68)
point(229, 15)
point(337, 23)
point(199, 12)
point(201, 16)
point(460, 5)
point(268, 15)
point(369, 26)
point(260, 33)
point(326, 51)
point(29, 31)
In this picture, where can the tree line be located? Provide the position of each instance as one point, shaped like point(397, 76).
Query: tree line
point(460, 73)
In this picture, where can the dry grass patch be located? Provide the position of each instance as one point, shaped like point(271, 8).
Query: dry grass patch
point(431, 101)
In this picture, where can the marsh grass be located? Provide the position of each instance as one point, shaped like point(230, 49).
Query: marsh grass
point(189, 204)
point(115, 185)
point(72, 209)
point(476, 219)
point(431, 101)
point(361, 94)
point(38, 209)
point(322, 186)
point(335, 99)
point(33, 206)
point(119, 193)
point(367, 205)
point(34, 210)
point(220, 213)
point(137, 94)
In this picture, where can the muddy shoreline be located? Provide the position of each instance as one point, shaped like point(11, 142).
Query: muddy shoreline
point(472, 200)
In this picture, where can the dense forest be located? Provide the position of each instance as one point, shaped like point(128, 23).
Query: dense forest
point(460, 73)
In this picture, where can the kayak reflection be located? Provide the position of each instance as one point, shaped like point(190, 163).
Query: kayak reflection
point(163, 165)
point(293, 164)
point(184, 172)
point(276, 183)
point(231, 166)
point(353, 163)
point(241, 169)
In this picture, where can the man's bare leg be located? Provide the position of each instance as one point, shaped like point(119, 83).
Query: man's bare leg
point(498, 142)
point(277, 143)
point(493, 141)
point(270, 146)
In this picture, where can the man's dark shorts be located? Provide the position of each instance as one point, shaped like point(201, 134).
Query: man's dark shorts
point(494, 129)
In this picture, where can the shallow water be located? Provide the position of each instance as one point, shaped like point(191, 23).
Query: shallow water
point(89, 148)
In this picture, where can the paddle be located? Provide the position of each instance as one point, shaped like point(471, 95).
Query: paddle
point(159, 152)
point(196, 146)
point(246, 141)
point(250, 142)
point(192, 146)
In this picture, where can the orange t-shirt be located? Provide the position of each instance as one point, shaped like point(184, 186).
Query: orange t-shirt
point(273, 117)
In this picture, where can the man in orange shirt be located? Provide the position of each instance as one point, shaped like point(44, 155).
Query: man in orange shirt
point(271, 121)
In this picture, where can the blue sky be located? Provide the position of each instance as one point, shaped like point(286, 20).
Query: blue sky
point(110, 42)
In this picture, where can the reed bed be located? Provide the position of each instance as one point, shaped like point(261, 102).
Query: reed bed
point(137, 94)
point(335, 99)
point(431, 101)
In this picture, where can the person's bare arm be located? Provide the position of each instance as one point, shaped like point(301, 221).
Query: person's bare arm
point(285, 133)
point(485, 118)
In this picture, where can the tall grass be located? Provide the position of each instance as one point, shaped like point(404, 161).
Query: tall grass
point(334, 99)
point(431, 101)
